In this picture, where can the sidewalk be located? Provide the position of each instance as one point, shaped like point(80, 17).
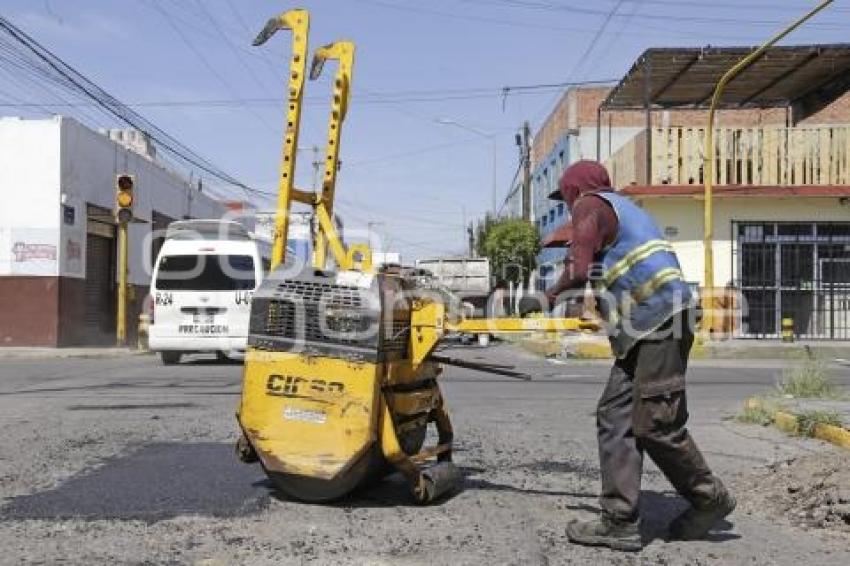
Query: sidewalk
point(595, 346)
point(773, 349)
point(23, 353)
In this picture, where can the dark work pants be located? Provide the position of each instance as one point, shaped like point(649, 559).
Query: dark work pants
point(644, 409)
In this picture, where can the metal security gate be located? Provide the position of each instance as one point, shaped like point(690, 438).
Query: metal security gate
point(793, 270)
point(100, 299)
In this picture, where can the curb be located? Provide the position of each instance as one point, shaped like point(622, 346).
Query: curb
point(790, 424)
point(584, 348)
point(59, 354)
point(592, 350)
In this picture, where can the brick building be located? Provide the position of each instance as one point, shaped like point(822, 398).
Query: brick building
point(782, 157)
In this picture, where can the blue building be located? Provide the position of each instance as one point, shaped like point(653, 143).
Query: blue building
point(549, 214)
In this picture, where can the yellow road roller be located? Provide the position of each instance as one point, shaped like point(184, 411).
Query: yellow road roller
point(340, 381)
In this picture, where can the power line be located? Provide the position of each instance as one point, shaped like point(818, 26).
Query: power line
point(497, 21)
point(573, 9)
point(275, 67)
point(771, 4)
point(53, 69)
point(637, 5)
point(276, 102)
point(227, 41)
point(671, 31)
point(583, 57)
point(370, 98)
point(202, 58)
point(514, 188)
point(596, 37)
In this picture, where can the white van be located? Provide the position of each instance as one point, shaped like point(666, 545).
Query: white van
point(203, 281)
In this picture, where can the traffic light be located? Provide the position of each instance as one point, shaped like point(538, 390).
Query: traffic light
point(124, 198)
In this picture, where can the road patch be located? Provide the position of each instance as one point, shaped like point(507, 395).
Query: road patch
point(158, 481)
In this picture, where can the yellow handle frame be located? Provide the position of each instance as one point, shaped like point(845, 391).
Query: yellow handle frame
point(357, 257)
point(708, 205)
point(299, 22)
point(429, 323)
point(343, 53)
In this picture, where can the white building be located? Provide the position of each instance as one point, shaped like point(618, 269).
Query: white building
point(57, 229)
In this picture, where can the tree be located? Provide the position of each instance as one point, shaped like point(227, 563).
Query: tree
point(512, 245)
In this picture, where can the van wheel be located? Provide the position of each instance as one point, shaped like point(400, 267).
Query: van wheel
point(170, 358)
point(222, 357)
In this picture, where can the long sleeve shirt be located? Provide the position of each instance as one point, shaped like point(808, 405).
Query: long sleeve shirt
point(595, 227)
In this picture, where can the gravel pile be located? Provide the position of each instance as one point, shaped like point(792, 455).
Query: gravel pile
point(811, 491)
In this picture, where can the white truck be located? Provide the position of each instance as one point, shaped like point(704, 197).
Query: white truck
point(468, 278)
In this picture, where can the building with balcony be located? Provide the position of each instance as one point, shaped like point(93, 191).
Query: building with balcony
point(781, 204)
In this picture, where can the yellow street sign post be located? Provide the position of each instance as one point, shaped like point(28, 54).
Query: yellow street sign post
point(709, 158)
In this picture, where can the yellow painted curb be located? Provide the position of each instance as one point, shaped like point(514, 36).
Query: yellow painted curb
point(541, 347)
point(593, 350)
point(585, 349)
point(835, 435)
point(789, 423)
point(786, 422)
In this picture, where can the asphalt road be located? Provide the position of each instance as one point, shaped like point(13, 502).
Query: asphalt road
point(122, 460)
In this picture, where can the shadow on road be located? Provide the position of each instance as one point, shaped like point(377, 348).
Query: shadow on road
point(394, 491)
point(658, 509)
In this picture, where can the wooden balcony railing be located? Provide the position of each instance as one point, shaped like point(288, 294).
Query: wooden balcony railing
point(743, 156)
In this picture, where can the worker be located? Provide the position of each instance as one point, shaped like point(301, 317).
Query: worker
point(649, 313)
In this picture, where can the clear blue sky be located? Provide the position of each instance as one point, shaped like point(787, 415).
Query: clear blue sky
point(417, 62)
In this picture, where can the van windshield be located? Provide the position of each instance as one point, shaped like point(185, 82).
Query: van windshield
point(206, 273)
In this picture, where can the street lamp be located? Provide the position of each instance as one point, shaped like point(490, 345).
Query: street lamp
point(491, 137)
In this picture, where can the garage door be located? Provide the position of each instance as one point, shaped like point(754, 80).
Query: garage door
point(100, 290)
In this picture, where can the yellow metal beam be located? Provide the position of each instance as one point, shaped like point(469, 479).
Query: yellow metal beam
point(305, 197)
point(708, 207)
point(427, 320)
point(327, 227)
point(299, 22)
point(509, 325)
point(343, 52)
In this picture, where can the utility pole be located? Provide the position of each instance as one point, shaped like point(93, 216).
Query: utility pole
point(526, 171)
point(495, 180)
point(471, 233)
point(317, 164)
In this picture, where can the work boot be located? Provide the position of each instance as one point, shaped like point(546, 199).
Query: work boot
point(606, 531)
point(695, 522)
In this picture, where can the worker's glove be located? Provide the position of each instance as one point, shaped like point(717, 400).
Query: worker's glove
point(533, 303)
